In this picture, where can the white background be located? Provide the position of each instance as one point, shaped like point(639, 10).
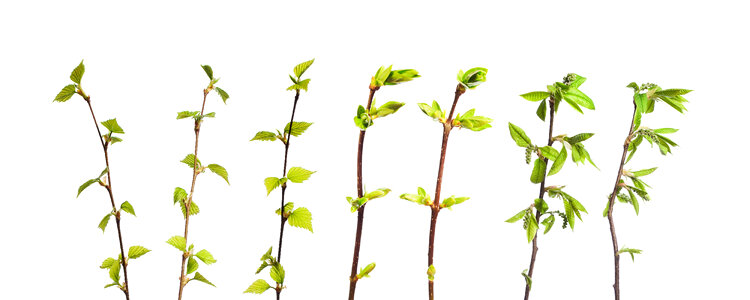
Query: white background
point(143, 65)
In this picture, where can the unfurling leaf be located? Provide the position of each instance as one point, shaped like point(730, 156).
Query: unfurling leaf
point(179, 194)
point(526, 277)
point(137, 251)
point(66, 93)
point(301, 218)
point(258, 287)
point(559, 162)
point(541, 111)
point(388, 108)
point(381, 192)
point(399, 76)
point(114, 272)
point(277, 273)
point(108, 263)
point(112, 126)
point(219, 170)
point(365, 272)
point(192, 265)
point(531, 226)
point(517, 216)
point(472, 77)
point(298, 175)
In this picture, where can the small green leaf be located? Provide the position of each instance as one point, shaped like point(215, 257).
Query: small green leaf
point(302, 67)
point(399, 76)
point(112, 126)
point(66, 93)
point(209, 71)
point(200, 278)
point(672, 92)
point(301, 218)
point(630, 251)
point(541, 111)
point(559, 162)
point(517, 216)
point(187, 114)
point(108, 263)
point(569, 213)
point(537, 174)
point(137, 251)
point(77, 73)
point(473, 77)
point(665, 130)
point(519, 136)
point(641, 101)
point(219, 170)
point(388, 108)
point(271, 184)
point(222, 93)
point(179, 194)
point(381, 192)
point(578, 81)
point(579, 138)
point(535, 96)
point(643, 172)
point(277, 273)
point(431, 273)
point(205, 257)
point(192, 265)
point(127, 207)
point(178, 242)
point(298, 128)
point(548, 222)
point(258, 287)
point(549, 153)
point(112, 284)
point(114, 272)
point(264, 136)
point(575, 95)
point(526, 277)
point(191, 161)
point(298, 175)
point(365, 272)
point(103, 223)
point(532, 227)
point(86, 185)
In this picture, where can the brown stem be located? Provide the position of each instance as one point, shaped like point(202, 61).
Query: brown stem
point(197, 129)
point(534, 247)
point(361, 210)
point(611, 206)
point(435, 208)
point(105, 147)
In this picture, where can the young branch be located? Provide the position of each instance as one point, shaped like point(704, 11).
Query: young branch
point(534, 247)
point(108, 186)
point(611, 205)
point(435, 208)
point(197, 129)
point(361, 210)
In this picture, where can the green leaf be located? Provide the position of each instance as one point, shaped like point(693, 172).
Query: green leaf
point(112, 284)
point(66, 93)
point(365, 272)
point(578, 97)
point(388, 108)
point(381, 192)
point(108, 263)
point(272, 183)
point(301, 218)
point(77, 73)
point(302, 67)
point(86, 185)
point(630, 251)
point(549, 153)
point(112, 126)
point(178, 242)
point(192, 265)
point(137, 251)
point(531, 227)
point(222, 93)
point(665, 130)
point(472, 122)
point(578, 81)
point(643, 172)
point(569, 213)
point(634, 202)
point(190, 161)
point(541, 111)
point(517, 216)
point(559, 162)
point(205, 257)
point(219, 170)
point(298, 175)
point(537, 174)
point(103, 223)
point(210, 115)
point(535, 96)
point(288, 207)
point(297, 128)
point(399, 76)
point(179, 194)
point(114, 272)
point(579, 138)
point(258, 287)
point(548, 222)
point(264, 136)
point(209, 71)
point(277, 273)
point(200, 278)
point(641, 101)
point(519, 136)
point(672, 92)
point(526, 277)
point(380, 76)
point(187, 114)
point(127, 207)
point(431, 272)
point(473, 77)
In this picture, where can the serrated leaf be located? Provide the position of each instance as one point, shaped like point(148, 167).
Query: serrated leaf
point(271, 184)
point(208, 71)
point(108, 263)
point(532, 227)
point(298, 175)
point(579, 138)
point(537, 174)
point(258, 287)
point(77, 73)
point(672, 92)
point(222, 93)
point(103, 223)
point(178, 242)
point(137, 251)
point(192, 265)
point(191, 161)
point(301, 218)
point(86, 185)
point(519, 136)
point(66, 93)
point(277, 273)
point(541, 111)
point(205, 257)
point(179, 194)
point(264, 136)
point(517, 216)
point(112, 126)
point(200, 278)
point(559, 162)
point(535, 96)
point(302, 67)
point(569, 213)
point(114, 272)
point(630, 251)
point(219, 170)
point(298, 128)
point(186, 114)
point(127, 207)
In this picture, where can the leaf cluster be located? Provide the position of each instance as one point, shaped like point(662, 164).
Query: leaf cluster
point(204, 256)
point(68, 91)
point(113, 265)
point(386, 76)
point(212, 85)
point(562, 91)
point(637, 187)
point(297, 129)
point(364, 118)
point(191, 161)
point(277, 273)
point(295, 174)
point(298, 82)
point(300, 217)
